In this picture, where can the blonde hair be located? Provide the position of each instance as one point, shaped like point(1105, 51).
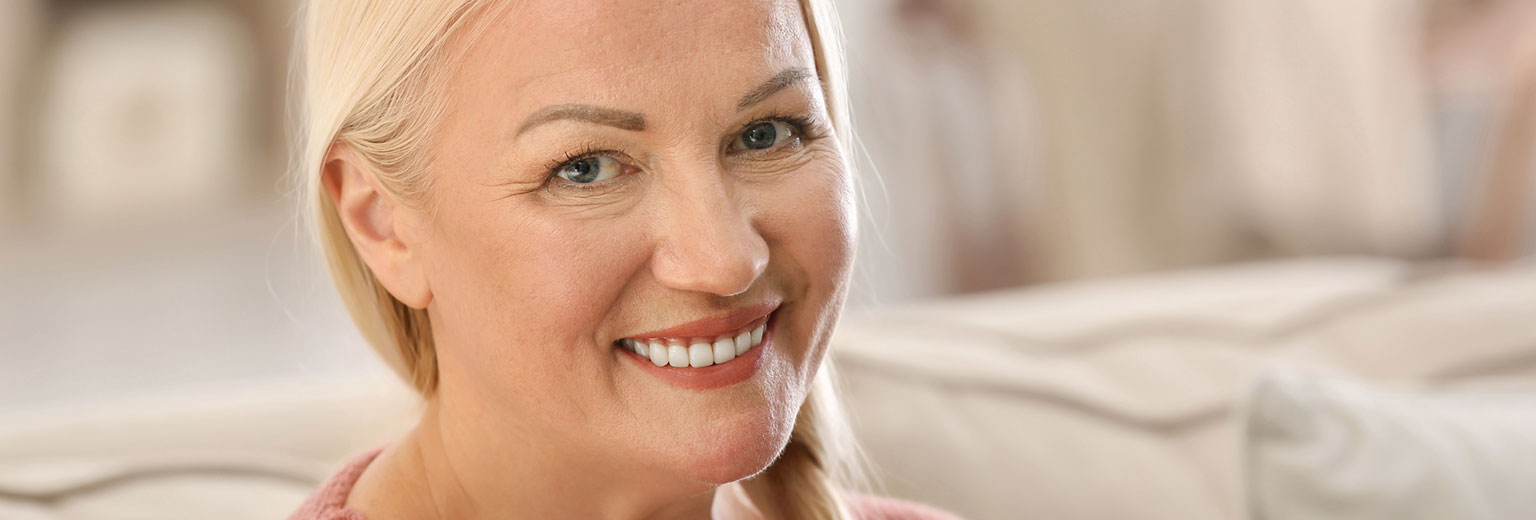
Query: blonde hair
point(374, 73)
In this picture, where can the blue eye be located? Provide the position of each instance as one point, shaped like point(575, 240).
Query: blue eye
point(591, 169)
point(763, 135)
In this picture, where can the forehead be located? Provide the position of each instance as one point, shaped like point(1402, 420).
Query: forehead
point(633, 54)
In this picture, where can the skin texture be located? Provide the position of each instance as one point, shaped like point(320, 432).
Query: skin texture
point(529, 280)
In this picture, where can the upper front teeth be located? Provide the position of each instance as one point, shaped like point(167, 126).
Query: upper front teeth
point(697, 352)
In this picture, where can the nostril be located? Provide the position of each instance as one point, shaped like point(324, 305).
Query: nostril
point(725, 270)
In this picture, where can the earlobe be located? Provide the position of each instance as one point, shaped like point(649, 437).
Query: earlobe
point(372, 219)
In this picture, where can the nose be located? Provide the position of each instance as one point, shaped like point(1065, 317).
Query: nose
point(706, 240)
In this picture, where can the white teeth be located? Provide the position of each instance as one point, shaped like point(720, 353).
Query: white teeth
point(658, 353)
point(677, 355)
point(696, 352)
point(725, 350)
point(701, 355)
point(743, 342)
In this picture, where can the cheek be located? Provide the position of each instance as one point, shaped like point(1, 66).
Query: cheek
point(520, 295)
point(812, 222)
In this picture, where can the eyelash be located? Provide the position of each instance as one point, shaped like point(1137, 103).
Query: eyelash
point(586, 152)
point(800, 125)
point(803, 125)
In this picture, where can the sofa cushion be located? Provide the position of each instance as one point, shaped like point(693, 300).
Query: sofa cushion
point(1331, 447)
point(1124, 398)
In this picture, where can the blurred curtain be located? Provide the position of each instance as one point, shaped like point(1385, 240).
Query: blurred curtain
point(1034, 140)
point(944, 192)
point(1319, 115)
point(1481, 61)
point(18, 25)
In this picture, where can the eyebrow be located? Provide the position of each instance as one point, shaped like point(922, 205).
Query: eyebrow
point(635, 122)
point(774, 84)
point(592, 114)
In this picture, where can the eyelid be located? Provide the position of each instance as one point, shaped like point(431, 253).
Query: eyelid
point(587, 151)
point(799, 122)
point(552, 169)
point(801, 125)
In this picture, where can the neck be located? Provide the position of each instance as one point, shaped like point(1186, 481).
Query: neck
point(452, 466)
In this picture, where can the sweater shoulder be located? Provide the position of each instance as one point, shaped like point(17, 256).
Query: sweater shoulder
point(875, 507)
point(329, 501)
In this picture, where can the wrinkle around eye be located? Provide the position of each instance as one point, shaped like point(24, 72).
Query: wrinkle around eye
point(525, 196)
point(550, 187)
point(514, 188)
point(612, 197)
point(787, 162)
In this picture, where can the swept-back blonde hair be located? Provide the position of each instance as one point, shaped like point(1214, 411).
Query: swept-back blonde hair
point(374, 75)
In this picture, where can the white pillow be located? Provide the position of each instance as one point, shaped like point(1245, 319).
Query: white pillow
point(1332, 448)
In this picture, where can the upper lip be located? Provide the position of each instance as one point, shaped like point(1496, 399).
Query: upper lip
point(714, 326)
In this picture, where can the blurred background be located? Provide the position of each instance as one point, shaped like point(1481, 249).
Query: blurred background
point(149, 244)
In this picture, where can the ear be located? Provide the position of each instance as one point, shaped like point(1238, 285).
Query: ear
point(372, 219)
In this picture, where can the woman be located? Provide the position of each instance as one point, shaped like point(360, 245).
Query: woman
point(606, 242)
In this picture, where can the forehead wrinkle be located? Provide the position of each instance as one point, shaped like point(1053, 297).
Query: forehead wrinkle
point(782, 44)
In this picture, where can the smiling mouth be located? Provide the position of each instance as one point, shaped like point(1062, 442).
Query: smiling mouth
point(698, 352)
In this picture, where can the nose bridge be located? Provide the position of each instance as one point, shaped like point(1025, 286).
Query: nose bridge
point(706, 240)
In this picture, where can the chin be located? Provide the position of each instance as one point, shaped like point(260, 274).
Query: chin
point(741, 448)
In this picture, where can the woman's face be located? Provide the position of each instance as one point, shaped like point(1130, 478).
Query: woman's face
point(610, 170)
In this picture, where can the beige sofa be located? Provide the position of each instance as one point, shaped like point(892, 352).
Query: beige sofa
point(1116, 399)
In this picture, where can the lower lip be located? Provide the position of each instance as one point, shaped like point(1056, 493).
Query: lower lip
point(711, 377)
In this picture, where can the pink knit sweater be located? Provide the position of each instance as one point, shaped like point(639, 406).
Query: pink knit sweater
point(329, 502)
